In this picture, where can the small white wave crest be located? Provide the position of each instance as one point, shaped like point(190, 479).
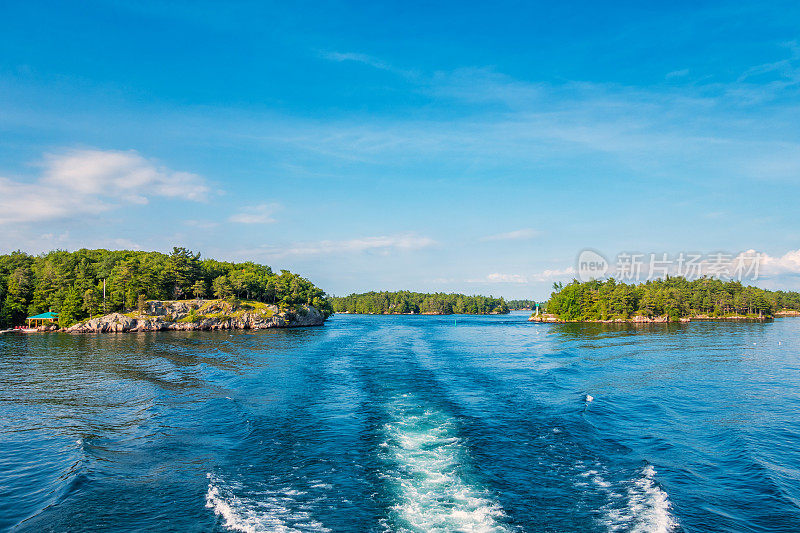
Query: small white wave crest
point(425, 468)
point(645, 506)
point(273, 511)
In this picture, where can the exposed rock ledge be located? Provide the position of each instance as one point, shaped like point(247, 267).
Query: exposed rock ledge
point(201, 315)
point(545, 317)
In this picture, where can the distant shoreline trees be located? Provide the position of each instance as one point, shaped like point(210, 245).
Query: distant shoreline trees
point(675, 297)
point(521, 304)
point(406, 302)
point(71, 283)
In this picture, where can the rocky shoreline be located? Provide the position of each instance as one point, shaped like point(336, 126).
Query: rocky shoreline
point(553, 319)
point(193, 315)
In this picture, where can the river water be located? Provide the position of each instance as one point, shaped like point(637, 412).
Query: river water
point(405, 423)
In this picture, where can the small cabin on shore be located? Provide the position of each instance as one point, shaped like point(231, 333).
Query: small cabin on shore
point(42, 319)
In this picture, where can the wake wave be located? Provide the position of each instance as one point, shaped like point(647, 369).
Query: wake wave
point(426, 469)
point(642, 507)
point(258, 512)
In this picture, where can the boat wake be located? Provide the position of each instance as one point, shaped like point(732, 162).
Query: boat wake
point(427, 471)
point(274, 511)
point(639, 505)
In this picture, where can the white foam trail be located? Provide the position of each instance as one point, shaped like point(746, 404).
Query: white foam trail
point(425, 468)
point(645, 509)
point(650, 505)
point(266, 511)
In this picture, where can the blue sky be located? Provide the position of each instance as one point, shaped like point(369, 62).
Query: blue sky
point(462, 147)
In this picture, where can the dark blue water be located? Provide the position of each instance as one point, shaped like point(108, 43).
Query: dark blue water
point(405, 423)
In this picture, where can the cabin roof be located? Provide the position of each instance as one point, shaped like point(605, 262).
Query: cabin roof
point(48, 314)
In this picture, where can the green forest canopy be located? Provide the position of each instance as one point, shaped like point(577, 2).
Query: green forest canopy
point(521, 304)
point(400, 302)
point(674, 296)
point(71, 283)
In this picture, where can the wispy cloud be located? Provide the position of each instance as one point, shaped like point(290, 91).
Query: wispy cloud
point(87, 182)
point(201, 224)
point(357, 58)
point(677, 74)
point(554, 274)
point(383, 244)
point(702, 134)
point(516, 235)
point(497, 277)
point(256, 214)
point(786, 69)
point(543, 276)
point(772, 266)
point(482, 85)
point(370, 61)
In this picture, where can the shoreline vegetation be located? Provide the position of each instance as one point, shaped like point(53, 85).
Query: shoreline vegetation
point(418, 303)
point(93, 283)
point(673, 299)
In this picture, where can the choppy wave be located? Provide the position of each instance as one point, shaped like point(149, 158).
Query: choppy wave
point(640, 505)
point(273, 511)
point(426, 469)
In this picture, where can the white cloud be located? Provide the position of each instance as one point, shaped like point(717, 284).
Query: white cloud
point(366, 59)
point(677, 73)
point(383, 244)
point(516, 235)
point(256, 214)
point(747, 266)
point(122, 174)
point(356, 57)
point(87, 182)
point(202, 224)
point(496, 277)
point(554, 274)
point(22, 202)
point(545, 275)
point(788, 263)
point(124, 244)
point(705, 132)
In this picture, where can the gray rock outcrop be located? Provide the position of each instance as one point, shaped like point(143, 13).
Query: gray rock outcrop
point(200, 315)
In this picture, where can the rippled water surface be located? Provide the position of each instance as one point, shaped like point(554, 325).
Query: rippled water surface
point(405, 423)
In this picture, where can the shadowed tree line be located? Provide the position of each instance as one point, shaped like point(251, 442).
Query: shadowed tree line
point(675, 297)
point(71, 283)
point(405, 302)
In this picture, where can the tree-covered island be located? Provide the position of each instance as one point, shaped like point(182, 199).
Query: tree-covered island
point(418, 303)
point(517, 305)
point(73, 285)
point(664, 300)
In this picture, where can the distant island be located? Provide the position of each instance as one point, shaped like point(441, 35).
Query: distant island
point(88, 285)
point(520, 305)
point(674, 299)
point(418, 303)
